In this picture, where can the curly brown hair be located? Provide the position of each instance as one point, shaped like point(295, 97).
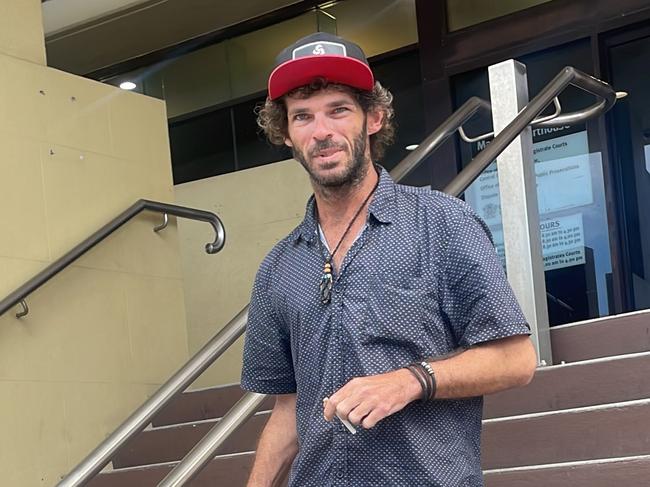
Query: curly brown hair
point(272, 116)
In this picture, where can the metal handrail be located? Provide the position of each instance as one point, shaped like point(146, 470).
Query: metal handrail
point(134, 424)
point(568, 76)
point(61, 263)
point(535, 123)
point(445, 130)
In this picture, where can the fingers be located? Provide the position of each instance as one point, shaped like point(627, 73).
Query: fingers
point(372, 419)
point(367, 400)
point(358, 413)
point(339, 405)
point(328, 409)
point(354, 411)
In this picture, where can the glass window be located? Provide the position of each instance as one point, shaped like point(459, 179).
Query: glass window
point(367, 23)
point(195, 81)
point(570, 188)
point(239, 67)
point(202, 146)
point(464, 13)
point(253, 149)
point(401, 75)
point(631, 131)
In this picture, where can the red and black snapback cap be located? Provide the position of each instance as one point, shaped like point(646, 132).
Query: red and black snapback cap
point(320, 55)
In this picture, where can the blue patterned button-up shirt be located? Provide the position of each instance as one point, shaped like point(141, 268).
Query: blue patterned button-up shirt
point(422, 280)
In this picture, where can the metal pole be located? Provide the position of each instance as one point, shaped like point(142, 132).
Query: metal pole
point(206, 449)
point(519, 209)
point(135, 423)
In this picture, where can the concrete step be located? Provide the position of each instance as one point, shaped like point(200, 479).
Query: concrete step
point(603, 337)
point(609, 472)
point(204, 404)
point(585, 383)
point(172, 443)
point(231, 470)
point(587, 433)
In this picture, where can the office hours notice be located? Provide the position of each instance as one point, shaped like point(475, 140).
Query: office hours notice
point(564, 185)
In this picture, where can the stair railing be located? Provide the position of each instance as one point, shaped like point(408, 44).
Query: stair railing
point(568, 76)
point(19, 295)
point(205, 451)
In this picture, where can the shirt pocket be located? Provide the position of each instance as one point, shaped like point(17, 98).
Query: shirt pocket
point(395, 312)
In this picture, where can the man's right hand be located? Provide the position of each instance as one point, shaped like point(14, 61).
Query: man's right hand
point(367, 400)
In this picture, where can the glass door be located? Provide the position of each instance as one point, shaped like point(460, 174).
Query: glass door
point(570, 189)
point(628, 57)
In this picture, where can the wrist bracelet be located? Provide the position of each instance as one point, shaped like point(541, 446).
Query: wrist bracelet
point(427, 367)
point(421, 379)
point(423, 372)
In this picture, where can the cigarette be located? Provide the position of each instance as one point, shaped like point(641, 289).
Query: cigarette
point(345, 422)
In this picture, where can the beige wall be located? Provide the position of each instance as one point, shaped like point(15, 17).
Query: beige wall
point(21, 30)
point(259, 207)
point(105, 332)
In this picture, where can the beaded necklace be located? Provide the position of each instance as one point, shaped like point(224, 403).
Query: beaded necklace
point(327, 280)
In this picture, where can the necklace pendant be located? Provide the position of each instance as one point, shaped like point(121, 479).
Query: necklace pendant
point(326, 282)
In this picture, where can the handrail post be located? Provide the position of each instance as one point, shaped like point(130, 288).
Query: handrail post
point(519, 208)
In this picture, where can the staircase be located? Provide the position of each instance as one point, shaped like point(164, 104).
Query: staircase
point(582, 423)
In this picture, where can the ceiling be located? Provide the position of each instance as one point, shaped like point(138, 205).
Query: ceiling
point(83, 36)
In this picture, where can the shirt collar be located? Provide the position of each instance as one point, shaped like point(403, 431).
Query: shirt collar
point(381, 208)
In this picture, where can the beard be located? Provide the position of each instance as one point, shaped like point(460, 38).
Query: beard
point(355, 167)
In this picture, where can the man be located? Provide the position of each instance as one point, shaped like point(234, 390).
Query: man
point(386, 308)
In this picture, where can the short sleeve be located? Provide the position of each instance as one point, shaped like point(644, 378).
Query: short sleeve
point(268, 365)
point(477, 297)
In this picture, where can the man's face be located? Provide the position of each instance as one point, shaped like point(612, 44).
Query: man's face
point(328, 133)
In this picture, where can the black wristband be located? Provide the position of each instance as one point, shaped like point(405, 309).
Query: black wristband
point(421, 379)
point(420, 368)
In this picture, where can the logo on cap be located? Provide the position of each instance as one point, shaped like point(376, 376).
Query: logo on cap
point(319, 49)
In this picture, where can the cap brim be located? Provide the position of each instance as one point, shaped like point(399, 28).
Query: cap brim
point(335, 69)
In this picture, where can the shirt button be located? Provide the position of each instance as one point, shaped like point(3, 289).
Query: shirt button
point(340, 474)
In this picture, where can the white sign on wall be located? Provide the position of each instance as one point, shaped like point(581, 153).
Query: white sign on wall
point(563, 243)
point(563, 183)
point(563, 179)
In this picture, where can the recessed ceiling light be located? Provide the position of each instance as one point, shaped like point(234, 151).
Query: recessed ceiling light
point(127, 85)
point(412, 147)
